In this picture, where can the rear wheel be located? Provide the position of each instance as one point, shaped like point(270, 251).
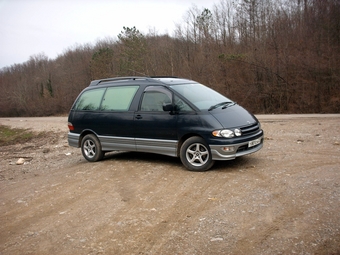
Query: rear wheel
point(91, 148)
point(195, 154)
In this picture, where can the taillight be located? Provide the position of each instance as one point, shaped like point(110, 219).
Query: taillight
point(70, 126)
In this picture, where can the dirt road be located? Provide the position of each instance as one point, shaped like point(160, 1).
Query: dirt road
point(284, 199)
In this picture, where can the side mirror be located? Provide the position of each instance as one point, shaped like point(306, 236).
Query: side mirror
point(168, 107)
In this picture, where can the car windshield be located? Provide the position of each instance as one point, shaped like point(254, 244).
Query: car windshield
point(201, 96)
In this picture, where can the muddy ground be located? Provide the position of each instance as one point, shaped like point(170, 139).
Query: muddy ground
point(284, 199)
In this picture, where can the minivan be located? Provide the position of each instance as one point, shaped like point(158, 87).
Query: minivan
point(164, 115)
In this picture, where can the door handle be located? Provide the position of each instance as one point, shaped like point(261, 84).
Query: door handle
point(138, 117)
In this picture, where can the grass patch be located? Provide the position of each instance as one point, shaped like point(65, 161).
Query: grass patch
point(9, 136)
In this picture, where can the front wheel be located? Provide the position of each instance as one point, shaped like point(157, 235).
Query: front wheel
point(195, 154)
point(91, 148)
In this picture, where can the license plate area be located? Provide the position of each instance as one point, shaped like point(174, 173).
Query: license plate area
point(254, 143)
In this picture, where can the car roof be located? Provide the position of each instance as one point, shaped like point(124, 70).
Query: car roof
point(165, 80)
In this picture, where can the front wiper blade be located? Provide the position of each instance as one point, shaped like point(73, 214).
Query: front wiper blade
point(224, 104)
point(229, 104)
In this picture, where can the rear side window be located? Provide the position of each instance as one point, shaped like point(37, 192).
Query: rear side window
point(118, 98)
point(90, 100)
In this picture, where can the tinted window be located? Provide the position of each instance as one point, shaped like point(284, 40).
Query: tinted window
point(154, 98)
point(118, 98)
point(90, 100)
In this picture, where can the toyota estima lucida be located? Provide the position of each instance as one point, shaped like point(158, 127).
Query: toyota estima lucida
point(162, 115)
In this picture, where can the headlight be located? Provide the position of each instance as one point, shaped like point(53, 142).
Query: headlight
point(223, 133)
point(237, 132)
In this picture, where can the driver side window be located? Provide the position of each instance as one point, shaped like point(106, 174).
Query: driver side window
point(154, 98)
point(154, 101)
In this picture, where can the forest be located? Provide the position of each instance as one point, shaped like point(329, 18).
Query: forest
point(270, 56)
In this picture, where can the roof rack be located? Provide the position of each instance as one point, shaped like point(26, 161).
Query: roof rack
point(161, 76)
point(127, 78)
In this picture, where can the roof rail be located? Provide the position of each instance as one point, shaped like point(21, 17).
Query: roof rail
point(161, 76)
point(127, 78)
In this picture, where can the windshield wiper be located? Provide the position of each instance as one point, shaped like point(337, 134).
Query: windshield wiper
point(224, 104)
point(229, 104)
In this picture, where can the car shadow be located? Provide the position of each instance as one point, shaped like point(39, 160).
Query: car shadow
point(237, 164)
point(142, 156)
point(241, 163)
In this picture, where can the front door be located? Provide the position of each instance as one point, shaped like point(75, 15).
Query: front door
point(155, 130)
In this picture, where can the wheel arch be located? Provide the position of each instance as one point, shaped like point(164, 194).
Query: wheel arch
point(84, 133)
point(183, 139)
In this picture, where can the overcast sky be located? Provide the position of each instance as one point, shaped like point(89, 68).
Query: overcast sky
point(31, 27)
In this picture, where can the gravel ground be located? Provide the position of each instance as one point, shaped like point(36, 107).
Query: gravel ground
point(285, 199)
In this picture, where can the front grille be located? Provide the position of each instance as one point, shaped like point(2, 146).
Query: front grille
point(251, 129)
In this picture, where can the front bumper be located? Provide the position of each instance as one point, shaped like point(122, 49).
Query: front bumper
point(240, 149)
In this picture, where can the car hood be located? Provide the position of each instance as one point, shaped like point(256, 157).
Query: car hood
point(233, 116)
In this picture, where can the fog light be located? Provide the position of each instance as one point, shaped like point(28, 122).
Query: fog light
point(228, 148)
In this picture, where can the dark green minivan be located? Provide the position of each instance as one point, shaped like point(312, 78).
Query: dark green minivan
point(163, 115)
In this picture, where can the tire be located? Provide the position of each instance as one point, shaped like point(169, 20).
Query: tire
point(195, 154)
point(91, 148)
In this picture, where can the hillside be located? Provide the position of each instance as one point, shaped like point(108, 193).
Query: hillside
point(269, 56)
